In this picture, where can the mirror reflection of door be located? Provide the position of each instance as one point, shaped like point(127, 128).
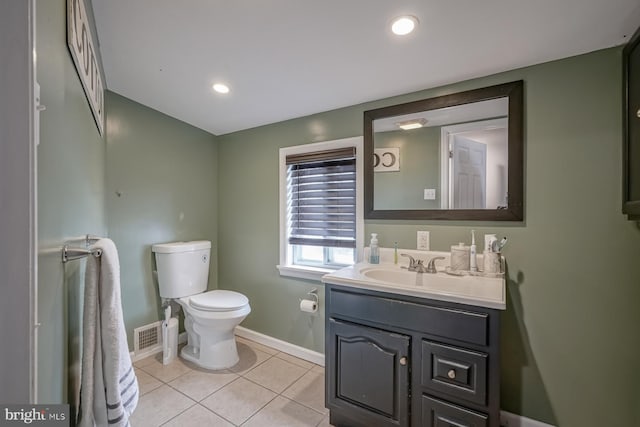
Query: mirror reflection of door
point(474, 165)
point(468, 173)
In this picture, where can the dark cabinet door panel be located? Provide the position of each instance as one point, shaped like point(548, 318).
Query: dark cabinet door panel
point(631, 147)
point(371, 375)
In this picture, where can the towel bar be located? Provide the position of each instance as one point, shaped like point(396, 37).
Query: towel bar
point(70, 254)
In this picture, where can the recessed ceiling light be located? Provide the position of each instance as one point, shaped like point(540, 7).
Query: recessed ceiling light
point(221, 88)
point(403, 25)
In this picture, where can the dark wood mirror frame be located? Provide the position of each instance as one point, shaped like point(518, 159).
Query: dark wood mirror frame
point(515, 180)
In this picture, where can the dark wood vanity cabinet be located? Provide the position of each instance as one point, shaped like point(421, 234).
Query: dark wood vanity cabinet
point(395, 360)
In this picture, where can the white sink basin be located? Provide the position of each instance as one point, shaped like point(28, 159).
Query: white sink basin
point(466, 289)
point(394, 275)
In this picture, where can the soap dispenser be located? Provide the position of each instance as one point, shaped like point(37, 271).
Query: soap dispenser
point(374, 251)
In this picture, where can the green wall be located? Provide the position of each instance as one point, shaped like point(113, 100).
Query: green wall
point(71, 178)
point(419, 169)
point(570, 344)
point(164, 171)
point(161, 187)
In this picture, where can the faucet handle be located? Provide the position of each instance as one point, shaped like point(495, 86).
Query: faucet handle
point(431, 267)
point(412, 260)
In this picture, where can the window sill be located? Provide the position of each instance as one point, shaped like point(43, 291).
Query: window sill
point(310, 273)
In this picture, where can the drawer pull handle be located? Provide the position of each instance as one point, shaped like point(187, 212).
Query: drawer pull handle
point(451, 374)
point(403, 361)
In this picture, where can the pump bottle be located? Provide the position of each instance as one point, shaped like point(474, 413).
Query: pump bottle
point(374, 251)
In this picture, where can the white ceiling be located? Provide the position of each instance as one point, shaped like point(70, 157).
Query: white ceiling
point(291, 58)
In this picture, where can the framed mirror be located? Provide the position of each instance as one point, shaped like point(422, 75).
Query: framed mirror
point(452, 157)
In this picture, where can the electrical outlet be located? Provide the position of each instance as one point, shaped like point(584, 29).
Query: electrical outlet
point(429, 193)
point(423, 241)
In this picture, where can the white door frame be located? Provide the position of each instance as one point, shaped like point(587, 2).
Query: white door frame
point(18, 209)
point(446, 135)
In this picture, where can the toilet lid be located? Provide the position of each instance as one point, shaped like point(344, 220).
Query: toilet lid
point(218, 300)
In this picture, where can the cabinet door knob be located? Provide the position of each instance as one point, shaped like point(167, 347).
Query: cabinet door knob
point(403, 361)
point(451, 374)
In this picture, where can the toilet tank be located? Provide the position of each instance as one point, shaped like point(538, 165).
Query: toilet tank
point(183, 267)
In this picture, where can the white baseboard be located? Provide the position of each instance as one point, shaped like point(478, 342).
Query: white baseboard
point(507, 419)
point(286, 347)
point(144, 354)
point(182, 338)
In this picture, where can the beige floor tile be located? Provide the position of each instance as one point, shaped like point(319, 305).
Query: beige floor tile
point(275, 374)
point(200, 384)
point(166, 373)
point(147, 360)
point(226, 397)
point(284, 412)
point(295, 360)
point(146, 382)
point(325, 422)
point(198, 416)
point(309, 391)
point(249, 358)
point(239, 400)
point(159, 406)
point(269, 350)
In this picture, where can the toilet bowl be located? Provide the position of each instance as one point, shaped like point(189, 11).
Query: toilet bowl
point(210, 320)
point(210, 317)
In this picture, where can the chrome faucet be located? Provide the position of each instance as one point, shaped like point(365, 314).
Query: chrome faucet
point(417, 265)
point(431, 267)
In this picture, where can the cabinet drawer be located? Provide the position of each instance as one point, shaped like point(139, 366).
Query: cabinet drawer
point(461, 325)
point(437, 413)
point(455, 371)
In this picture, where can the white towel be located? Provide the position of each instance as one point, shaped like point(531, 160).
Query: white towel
point(109, 387)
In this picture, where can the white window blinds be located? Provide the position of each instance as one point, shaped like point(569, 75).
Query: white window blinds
point(321, 198)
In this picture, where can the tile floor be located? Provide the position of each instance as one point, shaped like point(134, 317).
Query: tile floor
point(266, 388)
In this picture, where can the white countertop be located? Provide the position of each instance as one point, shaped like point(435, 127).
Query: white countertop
point(475, 290)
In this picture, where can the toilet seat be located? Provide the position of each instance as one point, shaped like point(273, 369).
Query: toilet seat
point(218, 300)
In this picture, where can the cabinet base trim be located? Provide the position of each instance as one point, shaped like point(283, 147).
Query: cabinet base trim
point(507, 419)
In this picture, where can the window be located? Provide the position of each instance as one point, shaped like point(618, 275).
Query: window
point(320, 207)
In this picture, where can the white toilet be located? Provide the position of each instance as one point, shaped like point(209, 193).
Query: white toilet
point(210, 317)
